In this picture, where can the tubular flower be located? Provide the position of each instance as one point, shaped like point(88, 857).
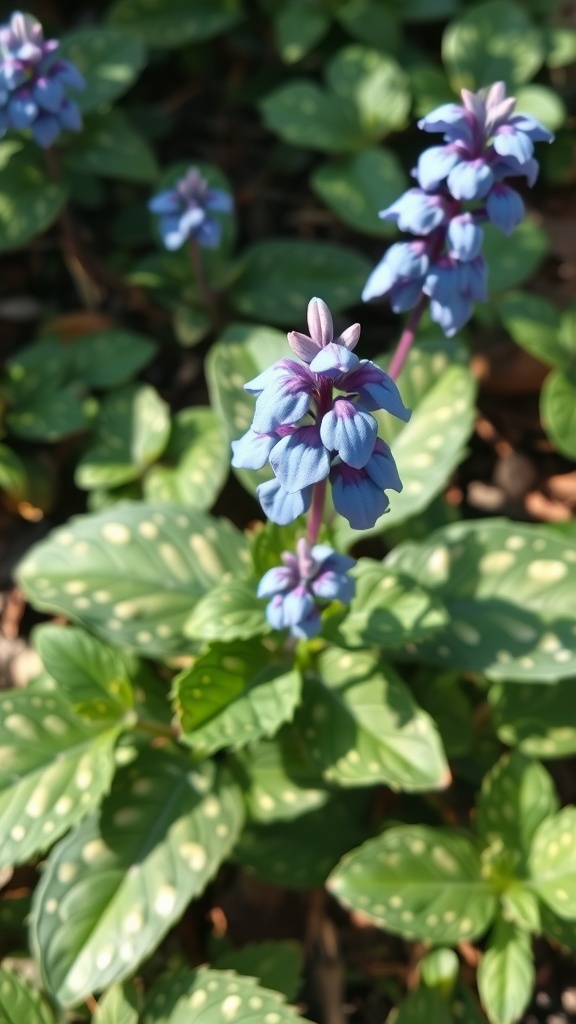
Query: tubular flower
point(184, 211)
point(313, 422)
point(34, 82)
point(460, 185)
point(294, 588)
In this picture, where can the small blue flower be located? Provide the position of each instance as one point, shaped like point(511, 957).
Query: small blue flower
point(312, 574)
point(184, 211)
point(34, 81)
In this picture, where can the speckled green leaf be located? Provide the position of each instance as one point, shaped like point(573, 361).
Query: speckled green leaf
point(274, 964)
point(131, 431)
point(508, 589)
point(55, 768)
point(195, 463)
point(49, 415)
point(234, 693)
point(494, 41)
point(20, 1003)
point(174, 23)
point(110, 358)
point(109, 59)
point(363, 726)
point(29, 200)
point(506, 974)
point(356, 188)
point(422, 883)
point(117, 1006)
point(110, 145)
point(215, 997)
point(111, 890)
point(144, 565)
point(375, 84)
point(537, 719)
point(304, 114)
point(279, 278)
point(558, 410)
point(553, 863)
point(231, 611)
point(280, 778)
point(516, 796)
point(513, 259)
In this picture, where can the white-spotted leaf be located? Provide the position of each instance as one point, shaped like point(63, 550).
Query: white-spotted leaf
point(516, 796)
point(280, 779)
point(117, 1006)
point(231, 611)
point(110, 358)
point(215, 997)
point(109, 59)
point(537, 719)
point(375, 84)
point(174, 23)
point(506, 974)
point(144, 567)
point(20, 1003)
point(112, 889)
point(419, 882)
point(195, 463)
point(275, 964)
point(552, 863)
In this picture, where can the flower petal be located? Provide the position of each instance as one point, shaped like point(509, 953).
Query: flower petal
point(356, 497)
point(349, 430)
point(251, 451)
point(334, 360)
point(300, 459)
point(276, 581)
point(279, 505)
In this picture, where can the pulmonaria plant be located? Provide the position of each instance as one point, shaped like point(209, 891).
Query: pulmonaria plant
point(313, 422)
point(184, 211)
point(461, 184)
point(34, 82)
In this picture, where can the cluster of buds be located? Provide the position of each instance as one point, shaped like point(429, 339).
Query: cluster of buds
point(460, 185)
point(34, 82)
point(184, 211)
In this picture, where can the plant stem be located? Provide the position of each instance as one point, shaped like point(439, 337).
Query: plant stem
point(406, 339)
point(209, 297)
point(155, 729)
point(75, 257)
point(316, 512)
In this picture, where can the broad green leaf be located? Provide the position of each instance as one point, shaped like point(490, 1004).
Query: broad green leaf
point(516, 796)
point(364, 727)
point(131, 431)
point(508, 590)
point(279, 278)
point(233, 694)
point(298, 28)
point(514, 259)
point(174, 23)
point(109, 59)
point(95, 679)
point(537, 719)
point(387, 610)
point(491, 42)
point(375, 84)
point(558, 929)
point(558, 410)
point(42, 366)
point(109, 145)
point(110, 358)
point(370, 22)
point(422, 883)
point(29, 200)
point(423, 1006)
point(506, 974)
point(562, 45)
point(428, 10)
point(279, 777)
point(521, 907)
point(304, 114)
point(195, 463)
point(439, 970)
point(231, 611)
point(533, 323)
point(243, 351)
point(430, 87)
point(55, 768)
point(553, 863)
point(276, 965)
point(441, 694)
point(116, 1007)
point(50, 415)
point(145, 566)
point(543, 103)
point(20, 1003)
point(302, 852)
point(215, 997)
point(438, 386)
point(113, 887)
point(191, 325)
point(357, 187)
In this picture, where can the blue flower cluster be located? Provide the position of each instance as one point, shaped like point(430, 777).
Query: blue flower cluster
point(184, 211)
point(34, 82)
point(313, 422)
point(312, 574)
point(460, 185)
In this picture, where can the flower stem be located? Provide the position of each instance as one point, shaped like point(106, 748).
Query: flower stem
point(316, 512)
point(208, 295)
point(406, 339)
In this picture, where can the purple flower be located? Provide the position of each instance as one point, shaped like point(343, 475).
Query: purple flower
point(294, 588)
point(485, 142)
point(313, 415)
point(34, 82)
point(184, 211)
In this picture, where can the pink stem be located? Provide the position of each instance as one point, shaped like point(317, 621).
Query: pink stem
point(406, 339)
point(316, 512)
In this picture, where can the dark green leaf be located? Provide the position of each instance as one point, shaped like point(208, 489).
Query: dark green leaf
point(494, 41)
point(370, 22)
point(195, 463)
point(174, 23)
point(109, 59)
point(191, 325)
point(276, 965)
point(279, 777)
point(537, 719)
point(358, 187)
point(110, 358)
point(423, 1006)
point(304, 114)
point(231, 611)
point(49, 415)
point(29, 200)
point(109, 145)
point(534, 323)
point(514, 259)
point(298, 28)
point(20, 1003)
point(558, 410)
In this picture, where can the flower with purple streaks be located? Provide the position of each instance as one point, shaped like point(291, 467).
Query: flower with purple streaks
point(184, 210)
point(34, 82)
point(461, 184)
point(313, 422)
point(295, 587)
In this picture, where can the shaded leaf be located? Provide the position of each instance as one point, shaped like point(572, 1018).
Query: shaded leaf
point(195, 463)
point(516, 796)
point(558, 410)
point(536, 718)
point(109, 145)
point(276, 965)
point(20, 1003)
point(280, 778)
point(494, 41)
point(29, 200)
point(358, 187)
point(109, 59)
point(174, 23)
point(215, 997)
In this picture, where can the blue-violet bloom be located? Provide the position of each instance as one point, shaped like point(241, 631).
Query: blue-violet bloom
point(34, 82)
point(460, 185)
point(294, 588)
point(313, 422)
point(184, 210)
